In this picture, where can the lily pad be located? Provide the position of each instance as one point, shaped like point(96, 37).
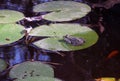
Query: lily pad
point(3, 65)
point(39, 79)
point(10, 33)
point(56, 42)
point(62, 10)
point(31, 69)
point(10, 16)
point(106, 79)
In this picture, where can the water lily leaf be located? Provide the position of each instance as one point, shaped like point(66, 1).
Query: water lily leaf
point(106, 79)
point(10, 33)
point(31, 69)
point(39, 79)
point(10, 16)
point(56, 42)
point(3, 65)
point(62, 10)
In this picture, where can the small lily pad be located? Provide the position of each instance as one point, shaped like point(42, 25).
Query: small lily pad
point(106, 79)
point(3, 65)
point(39, 79)
point(56, 33)
point(10, 33)
point(62, 10)
point(10, 16)
point(31, 69)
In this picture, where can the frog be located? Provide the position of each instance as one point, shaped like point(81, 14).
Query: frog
point(75, 41)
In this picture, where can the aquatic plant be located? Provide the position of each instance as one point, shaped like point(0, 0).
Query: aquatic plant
point(63, 11)
point(59, 37)
point(59, 11)
point(56, 33)
point(42, 78)
point(106, 79)
point(10, 16)
point(10, 31)
point(31, 69)
point(3, 65)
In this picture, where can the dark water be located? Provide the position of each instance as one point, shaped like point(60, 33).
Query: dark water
point(83, 65)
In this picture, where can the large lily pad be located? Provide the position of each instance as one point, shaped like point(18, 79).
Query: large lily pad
point(55, 32)
point(3, 65)
point(10, 33)
point(39, 79)
point(62, 10)
point(31, 69)
point(10, 16)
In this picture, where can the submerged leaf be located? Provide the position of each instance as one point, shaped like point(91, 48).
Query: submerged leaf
point(10, 33)
point(3, 65)
point(63, 10)
point(31, 69)
point(56, 33)
point(10, 16)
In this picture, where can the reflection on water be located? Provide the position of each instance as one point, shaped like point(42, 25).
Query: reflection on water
point(13, 55)
point(20, 53)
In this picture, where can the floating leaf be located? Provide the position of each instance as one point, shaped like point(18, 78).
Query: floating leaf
point(62, 10)
point(56, 33)
point(39, 79)
point(10, 33)
point(31, 69)
point(10, 16)
point(106, 79)
point(3, 65)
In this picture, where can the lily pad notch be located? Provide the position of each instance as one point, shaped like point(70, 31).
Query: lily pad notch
point(56, 33)
point(64, 37)
point(62, 10)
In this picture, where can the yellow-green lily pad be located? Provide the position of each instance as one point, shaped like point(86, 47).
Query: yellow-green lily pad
point(10, 16)
point(106, 79)
point(62, 10)
point(10, 33)
point(56, 33)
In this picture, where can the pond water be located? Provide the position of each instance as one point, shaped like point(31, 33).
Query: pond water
point(83, 65)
